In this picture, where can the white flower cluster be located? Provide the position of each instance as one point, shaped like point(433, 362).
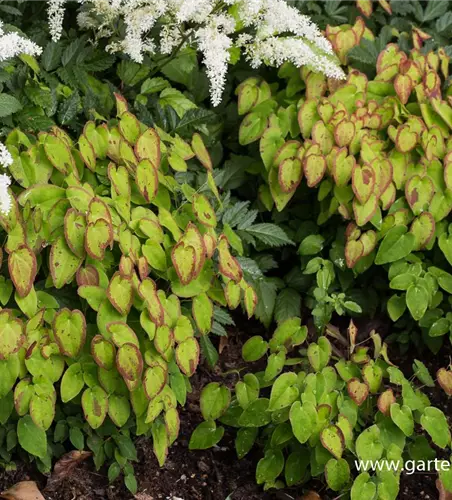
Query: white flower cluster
point(12, 45)
point(267, 31)
point(5, 161)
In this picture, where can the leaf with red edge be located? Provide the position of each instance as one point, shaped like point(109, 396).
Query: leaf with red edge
point(103, 352)
point(187, 356)
point(444, 378)
point(63, 263)
point(184, 261)
point(154, 381)
point(344, 133)
point(357, 390)
point(200, 150)
point(99, 236)
point(74, 231)
point(423, 228)
point(406, 140)
point(22, 268)
point(419, 192)
point(120, 293)
point(148, 292)
point(403, 86)
point(147, 179)
point(95, 406)
point(228, 265)
point(204, 211)
point(314, 167)
point(365, 7)
point(290, 173)
point(364, 212)
point(250, 300)
point(353, 252)
point(12, 334)
point(232, 292)
point(130, 365)
point(69, 329)
point(385, 400)
point(87, 275)
point(147, 147)
point(363, 182)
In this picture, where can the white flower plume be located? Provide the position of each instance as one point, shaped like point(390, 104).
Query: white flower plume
point(5, 161)
point(12, 45)
point(266, 31)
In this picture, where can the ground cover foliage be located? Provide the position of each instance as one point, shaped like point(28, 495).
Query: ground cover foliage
point(141, 215)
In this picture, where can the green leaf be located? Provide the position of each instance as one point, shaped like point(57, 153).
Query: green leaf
point(72, 382)
point(368, 444)
point(215, 399)
point(8, 105)
point(177, 100)
point(270, 467)
point(311, 245)
point(417, 299)
point(337, 473)
point(397, 244)
point(303, 419)
point(205, 436)
point(435, 423)
point(31, 437)
point(284, 391)
point(363, 488)
point(436, 9)
point(403, 418)
point(254, 348)
point(269, 234)
point(245, 440)
point(288, 305)
point(256, 414)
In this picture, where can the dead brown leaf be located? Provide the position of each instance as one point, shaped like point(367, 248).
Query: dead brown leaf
point(224, 342)
point(443, 494)
point(311, 495)
point(67, 463)
point(25, 490)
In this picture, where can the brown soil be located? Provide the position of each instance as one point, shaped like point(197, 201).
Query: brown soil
point(214, 474)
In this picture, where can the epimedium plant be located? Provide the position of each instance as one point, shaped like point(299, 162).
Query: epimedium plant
point(116, 274)
point(377, 152)
point(314, 413)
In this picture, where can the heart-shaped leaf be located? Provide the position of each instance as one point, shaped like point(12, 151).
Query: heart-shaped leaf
point(74, 231)
point(204, 211)
point(385, 400)
point(403, 86)
point(344, 133)
point(406, 140)
point(397, 244)
point(130, 365)
point(69, 328)
point(290, 174)
point(12, 334)
point(147, 179)
point(423, 228)
point(337, 473)
point(103, 352)
point(154, 381)
point(333, 440)
point(120, 293)
point(187, 356)
point(363, 182)
point(419, 192)
point(444, 378)
point(353, 252)
point(403, 418)
point(314, 167)
point(95, 406)
point(22, 268)
point(364, 212)
point(357, 390)
point(99, 235)
point(147, 147)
